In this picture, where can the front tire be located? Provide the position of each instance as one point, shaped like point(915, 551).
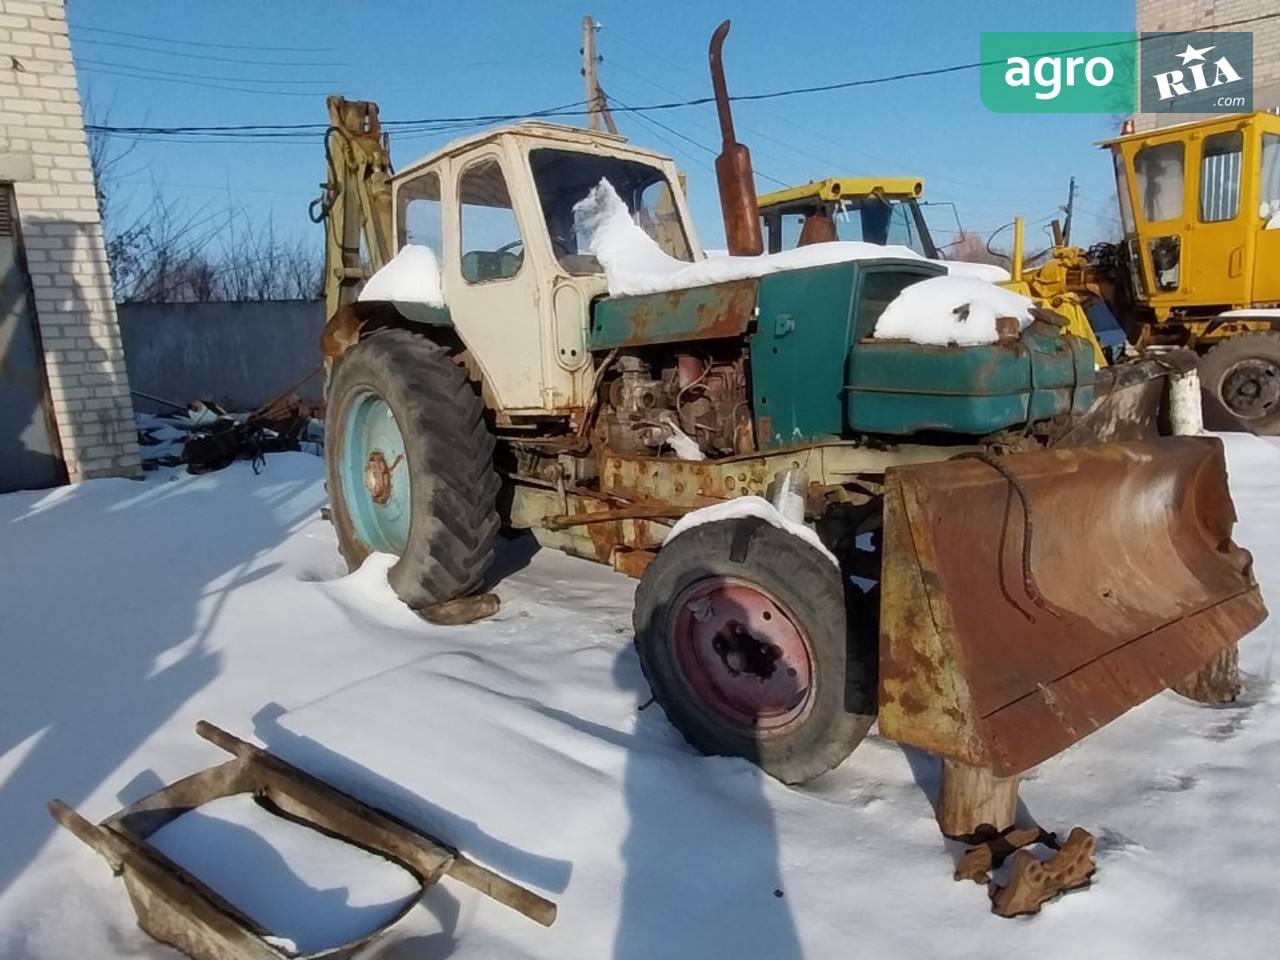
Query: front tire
point(409, 467)
point(1242, 378)
point(742, 633)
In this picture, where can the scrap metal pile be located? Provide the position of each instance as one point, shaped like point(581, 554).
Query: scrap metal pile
point(204, 437)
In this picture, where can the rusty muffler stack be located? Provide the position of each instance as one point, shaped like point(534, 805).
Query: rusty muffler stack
point(734, 176)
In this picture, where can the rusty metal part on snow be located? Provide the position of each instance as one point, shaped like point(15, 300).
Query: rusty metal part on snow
point(1141, 587)
point(176, 908)
point(993, 850)
point(1034, 882)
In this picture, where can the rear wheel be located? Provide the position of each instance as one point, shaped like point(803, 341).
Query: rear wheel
point(742, 633)
point(1242, 375)
point(409, 467)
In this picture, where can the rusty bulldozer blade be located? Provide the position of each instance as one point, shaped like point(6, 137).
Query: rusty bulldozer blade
point(1131, 583)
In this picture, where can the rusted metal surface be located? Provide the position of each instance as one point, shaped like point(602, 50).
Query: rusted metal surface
point(646, 510)
point(695, 483)
point(377, 478)
point(341, 331)
point(1128, 400)
point(633, 563)
point(1034, 882)
point(719, 310)
point(603, 540)
point(176, 908)
point(742, 230)
point(1131, 547)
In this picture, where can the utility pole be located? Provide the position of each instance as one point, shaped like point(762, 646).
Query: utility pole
point(1069, 210)
point(597, 105)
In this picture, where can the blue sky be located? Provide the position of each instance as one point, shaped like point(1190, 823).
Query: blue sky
point(422, 59)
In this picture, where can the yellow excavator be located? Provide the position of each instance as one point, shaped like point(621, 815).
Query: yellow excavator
point(1198, 266)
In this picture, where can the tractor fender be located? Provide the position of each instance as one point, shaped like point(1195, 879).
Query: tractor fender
point(358, 319)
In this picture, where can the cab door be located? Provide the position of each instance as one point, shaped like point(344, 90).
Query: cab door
point(1217, 239)
point(1266, 261)
point(492, 283)
point(1160, 203)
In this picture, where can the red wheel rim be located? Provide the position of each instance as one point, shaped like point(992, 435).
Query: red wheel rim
point(742, 656)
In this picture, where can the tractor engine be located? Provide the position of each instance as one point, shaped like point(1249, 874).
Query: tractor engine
point(693, 405)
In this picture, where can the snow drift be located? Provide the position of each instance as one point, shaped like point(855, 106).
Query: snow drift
point(946, 310)
point(634, 263)
point(411, 276)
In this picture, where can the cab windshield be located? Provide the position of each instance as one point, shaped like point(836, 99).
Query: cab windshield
point(563, 177)
point(878, 220)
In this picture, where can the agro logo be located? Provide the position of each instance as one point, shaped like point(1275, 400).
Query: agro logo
point(1194, 75)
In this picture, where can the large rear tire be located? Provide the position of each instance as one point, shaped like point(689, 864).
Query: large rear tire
point(1242, 378)
point(409, 467)
point(742, 633)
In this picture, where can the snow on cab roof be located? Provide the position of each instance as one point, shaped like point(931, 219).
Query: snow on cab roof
point(554, 133)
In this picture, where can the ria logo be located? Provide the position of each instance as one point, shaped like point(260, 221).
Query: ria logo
point(1192, 78)
point(1196, 72)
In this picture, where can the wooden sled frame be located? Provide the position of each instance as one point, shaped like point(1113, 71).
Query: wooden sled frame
point(176, 908)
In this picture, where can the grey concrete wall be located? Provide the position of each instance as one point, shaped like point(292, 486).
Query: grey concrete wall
point(238, 354)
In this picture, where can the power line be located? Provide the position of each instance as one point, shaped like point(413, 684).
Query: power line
point(697, 101)
point(200, 43)
point(99, 71)
point(158, 72)
point(205, 56)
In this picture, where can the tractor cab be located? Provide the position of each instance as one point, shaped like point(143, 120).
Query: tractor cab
point(875, 210)
point(498, 211)
point(1200, 208)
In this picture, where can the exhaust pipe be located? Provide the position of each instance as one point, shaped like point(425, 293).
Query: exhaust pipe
point(733, 168)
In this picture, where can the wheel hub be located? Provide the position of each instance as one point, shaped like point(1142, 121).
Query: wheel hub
point(742, 656)
point(1251, 388)
point(377, 477)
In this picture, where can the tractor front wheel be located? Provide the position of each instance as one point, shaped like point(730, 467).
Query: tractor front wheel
point(409, 467)
point(1242, 375)
point(742, 633)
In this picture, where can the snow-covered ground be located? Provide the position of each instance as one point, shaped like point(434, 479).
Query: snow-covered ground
point(129, 610)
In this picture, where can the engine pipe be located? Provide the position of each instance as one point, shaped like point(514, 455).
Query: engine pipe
point(734, 176)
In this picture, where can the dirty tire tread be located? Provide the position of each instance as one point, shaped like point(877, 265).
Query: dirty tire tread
point(1214, 366)
point(807, 583)
point(449, 449)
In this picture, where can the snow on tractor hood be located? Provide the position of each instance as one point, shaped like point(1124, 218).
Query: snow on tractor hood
point(946, 310)
point(411, 276)
point(959, 308)
point(634, 264)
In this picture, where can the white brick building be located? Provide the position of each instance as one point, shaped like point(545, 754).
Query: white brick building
point(1169, 15)
point(65, 409)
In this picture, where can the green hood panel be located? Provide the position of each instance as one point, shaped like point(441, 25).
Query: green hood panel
point(898, 387)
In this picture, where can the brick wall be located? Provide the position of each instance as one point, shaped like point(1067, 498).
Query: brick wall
point(44, 153)
point(1169, 15)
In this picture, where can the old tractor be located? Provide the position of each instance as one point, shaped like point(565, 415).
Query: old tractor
point(1004, 559)
point(1198, 266)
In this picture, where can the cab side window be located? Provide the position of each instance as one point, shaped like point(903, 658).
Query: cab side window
point(1220, 170)
point(492, 248)
point(419, 218)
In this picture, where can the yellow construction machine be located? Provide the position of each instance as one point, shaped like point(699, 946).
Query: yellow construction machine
point(869, 551)
point(1198, 266)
